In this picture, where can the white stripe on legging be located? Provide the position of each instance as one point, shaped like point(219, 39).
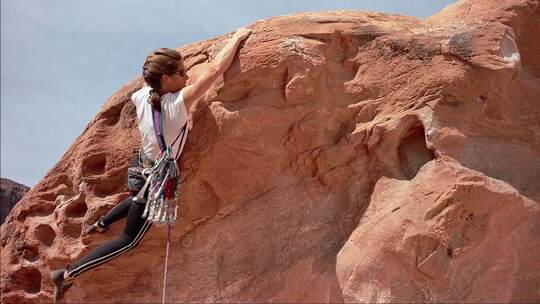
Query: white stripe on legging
point(75, 272)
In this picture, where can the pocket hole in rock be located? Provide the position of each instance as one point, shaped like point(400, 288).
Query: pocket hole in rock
point(450, 252)
point(413, 152)
point(95, 164)
point(45, 234)
point(72, 230)
point(39, 208)
point(30, 254)
point(106, 187)
point(53, 193)
point(111, 116)
point(29, 279)
point(76, 209)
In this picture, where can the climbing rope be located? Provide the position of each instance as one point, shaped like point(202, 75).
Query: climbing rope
point(166, 262)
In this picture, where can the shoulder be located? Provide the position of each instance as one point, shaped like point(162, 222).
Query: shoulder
point(140, 95)
point(175, 98)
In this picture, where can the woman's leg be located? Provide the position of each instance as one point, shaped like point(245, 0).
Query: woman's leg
point(134, 230)
point(116, 213)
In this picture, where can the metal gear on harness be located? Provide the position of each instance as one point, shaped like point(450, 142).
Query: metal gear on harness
point(162, 185)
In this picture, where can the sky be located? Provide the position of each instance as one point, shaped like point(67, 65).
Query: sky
point(61, 60)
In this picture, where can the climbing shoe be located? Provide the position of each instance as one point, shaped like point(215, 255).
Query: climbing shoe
point(60, 285)
point(97, 227)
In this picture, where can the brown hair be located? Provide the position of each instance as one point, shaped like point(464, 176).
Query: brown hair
point(159, 62)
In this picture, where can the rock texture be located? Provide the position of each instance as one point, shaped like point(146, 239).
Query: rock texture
point(10, 193)
point(346, 156)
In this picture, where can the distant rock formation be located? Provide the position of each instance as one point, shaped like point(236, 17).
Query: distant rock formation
point(10, 193)
point(346, 156)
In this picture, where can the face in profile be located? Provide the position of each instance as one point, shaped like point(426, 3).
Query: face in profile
point(177, 80)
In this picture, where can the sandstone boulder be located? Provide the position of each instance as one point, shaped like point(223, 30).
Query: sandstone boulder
point(346, 156)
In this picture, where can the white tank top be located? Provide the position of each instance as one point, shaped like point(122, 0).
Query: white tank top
point(174, 116)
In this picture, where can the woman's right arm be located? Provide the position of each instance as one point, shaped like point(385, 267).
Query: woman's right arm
point(215, 69)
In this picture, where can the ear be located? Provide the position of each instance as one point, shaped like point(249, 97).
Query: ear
point(164, 78)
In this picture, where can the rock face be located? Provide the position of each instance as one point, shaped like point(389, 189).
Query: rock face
point(345, 156)
point(10, 193)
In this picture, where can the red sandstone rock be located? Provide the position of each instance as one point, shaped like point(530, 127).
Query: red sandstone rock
point(10, 193)
point(345, 156)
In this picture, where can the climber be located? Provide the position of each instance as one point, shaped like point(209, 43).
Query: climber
point(165, 88)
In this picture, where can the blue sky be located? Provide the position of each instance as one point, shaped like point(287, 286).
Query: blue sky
point(61, 60)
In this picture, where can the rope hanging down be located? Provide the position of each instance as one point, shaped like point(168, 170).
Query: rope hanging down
point(166, 262)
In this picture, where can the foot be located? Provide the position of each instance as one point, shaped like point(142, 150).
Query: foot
point(61, 282)
point(97, 227)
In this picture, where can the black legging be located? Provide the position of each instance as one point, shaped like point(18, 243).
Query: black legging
point(135, 229)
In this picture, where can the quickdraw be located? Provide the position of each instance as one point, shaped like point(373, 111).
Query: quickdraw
point(162, 186)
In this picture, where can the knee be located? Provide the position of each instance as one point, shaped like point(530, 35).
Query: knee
point(131, 242)
point(125, 240)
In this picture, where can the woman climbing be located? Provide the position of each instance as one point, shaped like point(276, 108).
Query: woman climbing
point(165, 89)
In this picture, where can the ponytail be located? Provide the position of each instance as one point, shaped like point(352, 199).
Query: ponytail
point(154, 98)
